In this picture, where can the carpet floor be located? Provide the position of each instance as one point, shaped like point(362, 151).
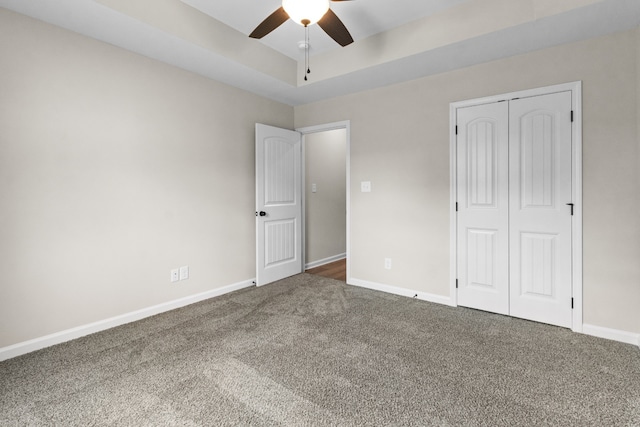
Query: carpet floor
point(310, 351)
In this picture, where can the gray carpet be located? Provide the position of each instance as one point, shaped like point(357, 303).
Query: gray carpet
point(314, 351)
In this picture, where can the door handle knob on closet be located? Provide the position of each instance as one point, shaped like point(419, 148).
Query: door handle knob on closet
point(571, 205)
point(261, 213)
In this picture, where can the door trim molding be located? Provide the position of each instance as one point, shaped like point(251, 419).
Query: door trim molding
point(576, 177)
point(346, 124)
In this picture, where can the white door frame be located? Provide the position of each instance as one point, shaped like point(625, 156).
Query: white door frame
point(576, 159)
point(324, 128)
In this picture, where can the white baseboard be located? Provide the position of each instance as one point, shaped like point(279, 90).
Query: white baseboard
point(80, 331)
point(324, 261)
point(424, 296)
point(611, 334)
point(596, 331)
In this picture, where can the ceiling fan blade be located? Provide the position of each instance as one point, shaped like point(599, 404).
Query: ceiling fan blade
point(333, 26)
point(272, 22)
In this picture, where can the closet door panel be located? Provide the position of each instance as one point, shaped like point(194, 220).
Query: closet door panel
point(539, 217)
point(483, 208)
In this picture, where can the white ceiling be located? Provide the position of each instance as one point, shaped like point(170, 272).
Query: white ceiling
point(458, 33)
point(362, 18)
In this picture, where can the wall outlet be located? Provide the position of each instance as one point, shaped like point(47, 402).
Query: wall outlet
point(184, 272)
point(365, 186)
point(387, 263)
point(175, 275)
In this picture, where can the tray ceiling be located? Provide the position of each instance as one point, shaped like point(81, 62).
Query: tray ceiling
point(395, 40)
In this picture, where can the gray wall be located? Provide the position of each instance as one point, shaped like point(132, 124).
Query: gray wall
point(400, 142)
point(114, 169)
point(325, 210)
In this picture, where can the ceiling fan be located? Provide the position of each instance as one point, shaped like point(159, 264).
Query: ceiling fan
point(305, 13)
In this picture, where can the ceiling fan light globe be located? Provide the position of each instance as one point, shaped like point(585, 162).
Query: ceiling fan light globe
point(305, 10)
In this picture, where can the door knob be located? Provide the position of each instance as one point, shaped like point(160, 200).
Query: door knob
point(262, 213)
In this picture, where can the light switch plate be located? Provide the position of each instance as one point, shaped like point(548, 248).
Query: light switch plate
point(184, 272)
point(314, 188)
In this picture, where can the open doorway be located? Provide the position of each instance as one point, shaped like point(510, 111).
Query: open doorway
point(325, 194)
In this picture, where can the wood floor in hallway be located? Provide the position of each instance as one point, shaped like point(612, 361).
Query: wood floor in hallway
point(334, 270)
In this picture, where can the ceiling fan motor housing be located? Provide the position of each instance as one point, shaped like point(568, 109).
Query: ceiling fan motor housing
point(305, 13)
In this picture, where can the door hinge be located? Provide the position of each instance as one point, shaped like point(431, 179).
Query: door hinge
point(571, 116)
point(456, 206)
point(456, 283)
point(572, 303)
point(456, 129)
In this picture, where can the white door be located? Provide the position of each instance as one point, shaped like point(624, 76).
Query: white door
point(540, 210)
point(514, 208)
point(483, 207)
point(278, 204)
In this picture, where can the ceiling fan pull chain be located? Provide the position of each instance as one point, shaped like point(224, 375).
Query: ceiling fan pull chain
point(306, 51)
point(308, 48)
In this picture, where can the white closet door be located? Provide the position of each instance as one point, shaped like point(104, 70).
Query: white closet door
point(540, 219)
point(483, 207)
